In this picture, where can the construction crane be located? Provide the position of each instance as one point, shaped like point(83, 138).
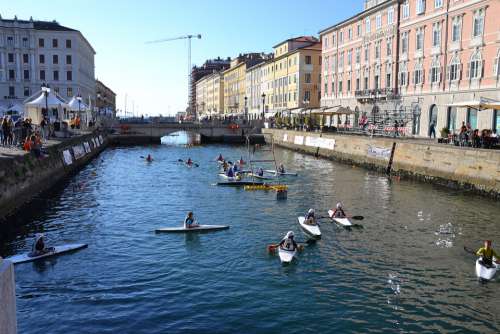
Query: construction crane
point(189, 38)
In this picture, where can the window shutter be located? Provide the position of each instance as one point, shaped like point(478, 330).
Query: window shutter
point(461, 70)
point(448, 74)
point(468, 70)
point(440, 74)
point(423, 77)
point(495, 70)
point(482, 68)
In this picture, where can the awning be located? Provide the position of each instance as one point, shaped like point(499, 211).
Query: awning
point(52, 101)
point(480, 104)
point(337, 110)
point(74, 106)
point(16, 108)
point(270, 114)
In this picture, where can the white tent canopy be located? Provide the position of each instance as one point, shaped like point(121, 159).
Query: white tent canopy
point(75, 106)
point(480, 104)
point(52, 101)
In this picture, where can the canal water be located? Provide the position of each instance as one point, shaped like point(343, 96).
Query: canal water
point(406, 271)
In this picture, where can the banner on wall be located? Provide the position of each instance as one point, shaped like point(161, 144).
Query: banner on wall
point(86, 146)
point(298, 140)
point(379, 152)
point(67, 158)
point(285, 137)
point(325, 143)
point(78, 151)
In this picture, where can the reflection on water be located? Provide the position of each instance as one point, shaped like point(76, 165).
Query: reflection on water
point(404, 272)
point(181, 138)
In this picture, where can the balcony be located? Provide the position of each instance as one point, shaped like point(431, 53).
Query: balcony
point(374, 95)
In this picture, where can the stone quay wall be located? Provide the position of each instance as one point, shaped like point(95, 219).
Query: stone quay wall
point(22, 177)
point(477, 170)
point(8, 323)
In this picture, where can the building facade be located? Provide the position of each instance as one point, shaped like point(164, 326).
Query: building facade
point(292, 78)
point(36, 52)
point(421, 62)
point(253, 86)
point(105, 99)
point(198, 72)
point(235, 83)
point(210, 96)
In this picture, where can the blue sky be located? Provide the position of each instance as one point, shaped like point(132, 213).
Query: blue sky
point(155, 76)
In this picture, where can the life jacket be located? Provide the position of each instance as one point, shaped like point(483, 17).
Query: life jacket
point(188, 221)
point(288, 244)
point(38, 244)
point(230, 172)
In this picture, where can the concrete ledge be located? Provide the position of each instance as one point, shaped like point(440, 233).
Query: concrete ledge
point(8, 322)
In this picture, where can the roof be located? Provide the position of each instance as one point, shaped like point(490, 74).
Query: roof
point(311, 39)
point(99, 82)
point(366, 11)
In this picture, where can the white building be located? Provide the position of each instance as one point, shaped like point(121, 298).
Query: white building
point(254, 91)
point(36, 52)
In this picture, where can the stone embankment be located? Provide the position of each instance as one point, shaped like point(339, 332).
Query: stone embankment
point(477, 170)
point(8, 324)
point(23, 176)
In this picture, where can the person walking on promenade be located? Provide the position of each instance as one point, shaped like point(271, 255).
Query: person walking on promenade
point(5, 131)
point(432, 130)
point(396, 130)
point(10, 137)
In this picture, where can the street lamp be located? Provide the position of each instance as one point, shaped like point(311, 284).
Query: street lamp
point(263, 104)
point(79, 99)
point(246, 108)
point(46, 92)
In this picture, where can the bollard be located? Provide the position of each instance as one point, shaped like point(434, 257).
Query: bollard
point(8, 322)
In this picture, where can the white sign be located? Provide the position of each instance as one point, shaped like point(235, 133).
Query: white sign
point(96, 141)
point(379, 152)
point(328, 144)
point(68, 159)
point(101, 141)
point(86, 145)
point(298, 140)
point(285, 137)
point(78, 151)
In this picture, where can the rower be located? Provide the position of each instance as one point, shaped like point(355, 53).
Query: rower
point(487, 254)
point(310, 217)
point(281, 169)
point(260, 172)
point(149, 158)
point(39, 245)
point(288, 243)
point(339, 211)
point(189, 221)
point(189, 161)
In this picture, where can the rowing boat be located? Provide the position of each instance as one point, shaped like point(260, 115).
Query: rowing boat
point(27, 257)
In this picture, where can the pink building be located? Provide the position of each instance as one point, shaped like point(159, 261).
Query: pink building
point(419, 62)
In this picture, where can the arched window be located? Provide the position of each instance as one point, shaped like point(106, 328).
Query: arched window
point(455, 69)
point(418, 74)
point(475, 66)
point(403, 74)
point(435, 72)
point(433, 115)
point(416, 120)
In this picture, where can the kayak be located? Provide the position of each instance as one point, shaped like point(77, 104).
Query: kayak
point(485, 273)
point(22, 258)
point(229, 178)
point(341, 221)
point(281, 174)
point(239, 184)
point(260, 177)
point(286, 256)
point(310, 229)
point(200, 228)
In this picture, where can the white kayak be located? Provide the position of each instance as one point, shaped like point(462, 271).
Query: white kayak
point(22, 258)
point(270, 171)
point(341, 221)
point(312, 230)
point(200, 228)
point(230, 178)
point(484, 272)
point(260, 177)
point(286, 256)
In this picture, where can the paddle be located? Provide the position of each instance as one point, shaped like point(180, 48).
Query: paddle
point(272, 248)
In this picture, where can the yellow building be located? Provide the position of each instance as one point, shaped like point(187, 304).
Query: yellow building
point(235, 83)
point(210, 96)
point(291, 80)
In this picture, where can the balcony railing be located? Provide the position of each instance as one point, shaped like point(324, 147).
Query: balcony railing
point(377, 94)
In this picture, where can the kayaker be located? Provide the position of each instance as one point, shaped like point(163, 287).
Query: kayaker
point(310, 217)
point(288, 243)
point(235, 168)
point(260, 172)
point(189, 161)
point(225, 166)
point(339, 211)
point(230, 172)
point(220, 158)
point(281, 169)
point(487, 254)
point(149, 158)
point(241, 161)
point(39, 245)
point(189, 221)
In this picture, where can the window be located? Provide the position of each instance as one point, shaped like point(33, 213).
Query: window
point(341, 37)
point(456, 29)
point(56, 90)
point(26, 43)
point(349, 33)
point(496, 121)
point(451, 120)
point(420, 39)
point(10, 57)
point(41, 59)
point(68, 44)
point(341, 60)
point(26, 58)
point(326, 63)
point(389, 47)
point(340, 87)
point(475, 66)
point(348, 85)
point(378, 21)
point(367, 53)
point(308, 60)
point(436, 34)
point(406, 9)
point(420, 7)
point(357, 84)
point(56, 76)
point(454, 69)
point(349, 57)
point(496, 69)
point(69, 91)
point(68, 59)
point(41, 42)
point(12, 75)
point(388, 75)
point(472, 118)
point(358, 28)
point(307, 95)
point(404, 42)
point(26, 75)
point(367, 25)
point(435, 71)
point(477, 30)
point(26, 91)
point(55, 59)
point(325, 42)
point(42, 75)
point(438, 3)
point(10, 41)
point(12, 91)
point(69, 76)
point(418, 74)
point(54, 43)
point(358, 56)
point(377, 50)
point(307, 78)
point(390, 16)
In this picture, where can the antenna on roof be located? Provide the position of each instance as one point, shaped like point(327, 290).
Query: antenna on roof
point(31, 18)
